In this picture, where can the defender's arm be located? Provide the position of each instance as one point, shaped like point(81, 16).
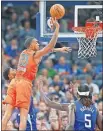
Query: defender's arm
point(55, 105)
point(72, 109)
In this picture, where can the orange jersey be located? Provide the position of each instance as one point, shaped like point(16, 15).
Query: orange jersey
point(27, 66)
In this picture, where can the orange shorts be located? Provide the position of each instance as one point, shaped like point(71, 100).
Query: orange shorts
point(19, 93)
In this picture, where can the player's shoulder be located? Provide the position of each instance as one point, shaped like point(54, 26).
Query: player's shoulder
point(24, 51)
point(27, 52)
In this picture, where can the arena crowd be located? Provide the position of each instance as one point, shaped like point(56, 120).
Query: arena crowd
point(58, 69)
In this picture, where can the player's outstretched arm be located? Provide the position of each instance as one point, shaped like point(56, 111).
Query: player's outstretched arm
point(55, 105)
point(51, 44)
point(63, 49)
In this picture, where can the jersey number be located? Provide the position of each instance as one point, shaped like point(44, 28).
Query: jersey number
point(23, 60)
point(88, 120)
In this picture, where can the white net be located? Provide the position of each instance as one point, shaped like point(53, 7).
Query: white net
point(87, 45)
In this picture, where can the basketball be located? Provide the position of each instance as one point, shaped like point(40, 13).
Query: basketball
point(57, 11)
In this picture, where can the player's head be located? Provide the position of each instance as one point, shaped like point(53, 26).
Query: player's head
point(83, 90)
point(84, 95)
point(32, 43)
point(9, 73)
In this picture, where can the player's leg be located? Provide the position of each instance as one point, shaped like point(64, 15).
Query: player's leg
point(23, 118)
point(23, 94)
point(7, 116)
point(10, 101)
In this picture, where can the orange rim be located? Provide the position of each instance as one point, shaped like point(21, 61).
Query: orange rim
point(89, 31)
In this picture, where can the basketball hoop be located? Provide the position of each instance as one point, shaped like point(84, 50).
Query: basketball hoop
point(87, 44)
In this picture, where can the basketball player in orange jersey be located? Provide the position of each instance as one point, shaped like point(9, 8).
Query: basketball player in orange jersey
point(20, 88)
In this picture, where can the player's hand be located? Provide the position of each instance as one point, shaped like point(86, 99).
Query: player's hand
point(55, 22)
point(65, 49)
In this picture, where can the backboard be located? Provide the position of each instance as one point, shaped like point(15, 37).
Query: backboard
point(77, 12)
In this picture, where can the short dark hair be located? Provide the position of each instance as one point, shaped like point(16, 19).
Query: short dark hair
point(6, 73)
point(28, 41)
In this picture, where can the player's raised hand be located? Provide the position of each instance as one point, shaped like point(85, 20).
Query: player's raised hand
point(65, 49)
point(55, 22)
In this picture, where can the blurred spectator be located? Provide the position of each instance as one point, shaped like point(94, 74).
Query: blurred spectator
point(99, 69)
point(62, 113)
point(93, 87)
point(70, 24)
point(100, 107)
point(3, 44)
point(58, 90)
point(42, 107)
point(8, 10)
point(76, 70)
point(53, 118)
point(13, 63)
point(55, 97)
point(14, 23)
point(63, 25)
point(68, 97)
point(64, 122)
point(62, 68)
point(101, 94)
point(41, 121)
point(51, 89)
point(88, 69)
point(26, 17)
point(25, 32)
point(10, 126)
point(44, 73)
point(56, 81)
point(9, 33)
point(4, 61)
point(33, 10)
point(12, 50)
point(49, 67)
point(38, 124)
point(95, 98)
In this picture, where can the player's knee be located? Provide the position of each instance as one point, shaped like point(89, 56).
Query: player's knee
point(6, 116)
